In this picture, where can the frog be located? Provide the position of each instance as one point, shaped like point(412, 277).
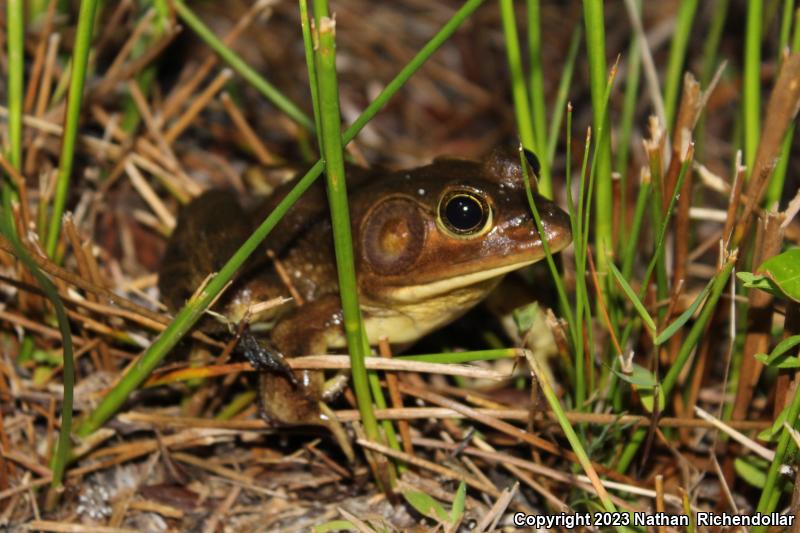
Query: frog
point(429, 244)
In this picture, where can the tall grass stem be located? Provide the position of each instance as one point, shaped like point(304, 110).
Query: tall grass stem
point(752, 82)
point(677, 57)
point(594, 20)
point(536, 88)
point(332, 148)
point(80, 59)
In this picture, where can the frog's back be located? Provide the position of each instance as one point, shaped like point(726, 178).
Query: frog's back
point(209, 230)
point(214, 225)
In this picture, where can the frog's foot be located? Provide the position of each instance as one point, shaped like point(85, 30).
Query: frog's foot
point(335, 386)
point(263, 357)
point(329, 419)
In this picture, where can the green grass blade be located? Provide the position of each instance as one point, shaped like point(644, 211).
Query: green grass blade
point(626, 124)
point(308, 45)
point(581, 293)
point(658, 252)
point(713, 38)
point(677, 56)
point(770, 495)
point(786, 26)
point(61, 456)
point(688, 346)
point(631, 294)
point(562, 94)
point(569, 432)
point(16, 73)
point(386, 424)
point(660, 238)
point(710, 61)
point(752, 82)
point(554, 273)
point(594, 21)
point(162, 15)
point(519, 91)
point(80, 59)
point(657, 220)
point(632, 239)
point(332, 146)
point(536, 86)
point(683, 318)
point(191, 312)
point(16, 69)
point(776, 183)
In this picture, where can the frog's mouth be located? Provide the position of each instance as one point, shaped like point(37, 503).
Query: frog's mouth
point(418, 293)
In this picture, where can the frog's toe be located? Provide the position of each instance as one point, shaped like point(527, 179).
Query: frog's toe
point(264, 357)
point(335, 386)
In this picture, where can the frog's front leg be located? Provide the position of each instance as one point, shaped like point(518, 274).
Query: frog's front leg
point(263, 357)
point(309, 330)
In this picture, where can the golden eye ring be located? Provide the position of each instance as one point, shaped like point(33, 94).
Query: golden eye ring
point(464, 213)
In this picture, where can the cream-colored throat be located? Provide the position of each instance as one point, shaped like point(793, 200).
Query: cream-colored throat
point(403, 323)
point(441, 288)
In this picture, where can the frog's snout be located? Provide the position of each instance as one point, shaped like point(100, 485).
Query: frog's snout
point(558, 230)
point(555, 223)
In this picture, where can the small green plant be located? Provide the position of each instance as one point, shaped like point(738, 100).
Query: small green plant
point(430, 507)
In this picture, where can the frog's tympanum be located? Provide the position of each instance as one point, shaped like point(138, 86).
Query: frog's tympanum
point(430, 243)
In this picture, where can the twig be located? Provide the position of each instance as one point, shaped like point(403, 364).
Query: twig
point(198, 105)
point(428, 465)
point(748, 443)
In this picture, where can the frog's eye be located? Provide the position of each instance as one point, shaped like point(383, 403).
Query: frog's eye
point(464, 212)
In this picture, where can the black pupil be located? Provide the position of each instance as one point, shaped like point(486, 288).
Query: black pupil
point(464, 213)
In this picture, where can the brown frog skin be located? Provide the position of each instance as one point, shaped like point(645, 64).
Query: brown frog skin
point(430, 243)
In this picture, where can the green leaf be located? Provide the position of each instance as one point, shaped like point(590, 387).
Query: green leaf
point(458, 504)
point(777, 358)
point(49, 357)
point(640, 377)
point(646, 384)
point(335, 525)
point(785, 345)
point(753, 281)
point(647, 398)
point(637, 304)
point(784, 271)
point(592, 503)
point(781, 362)
point(758, 281)
point(670, 330)
point(526, 316)
point(426, 505)
point(752, 469)
point(42, 374)
point(770, 433)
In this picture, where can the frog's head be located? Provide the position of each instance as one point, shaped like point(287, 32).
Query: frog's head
point(450, 225)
